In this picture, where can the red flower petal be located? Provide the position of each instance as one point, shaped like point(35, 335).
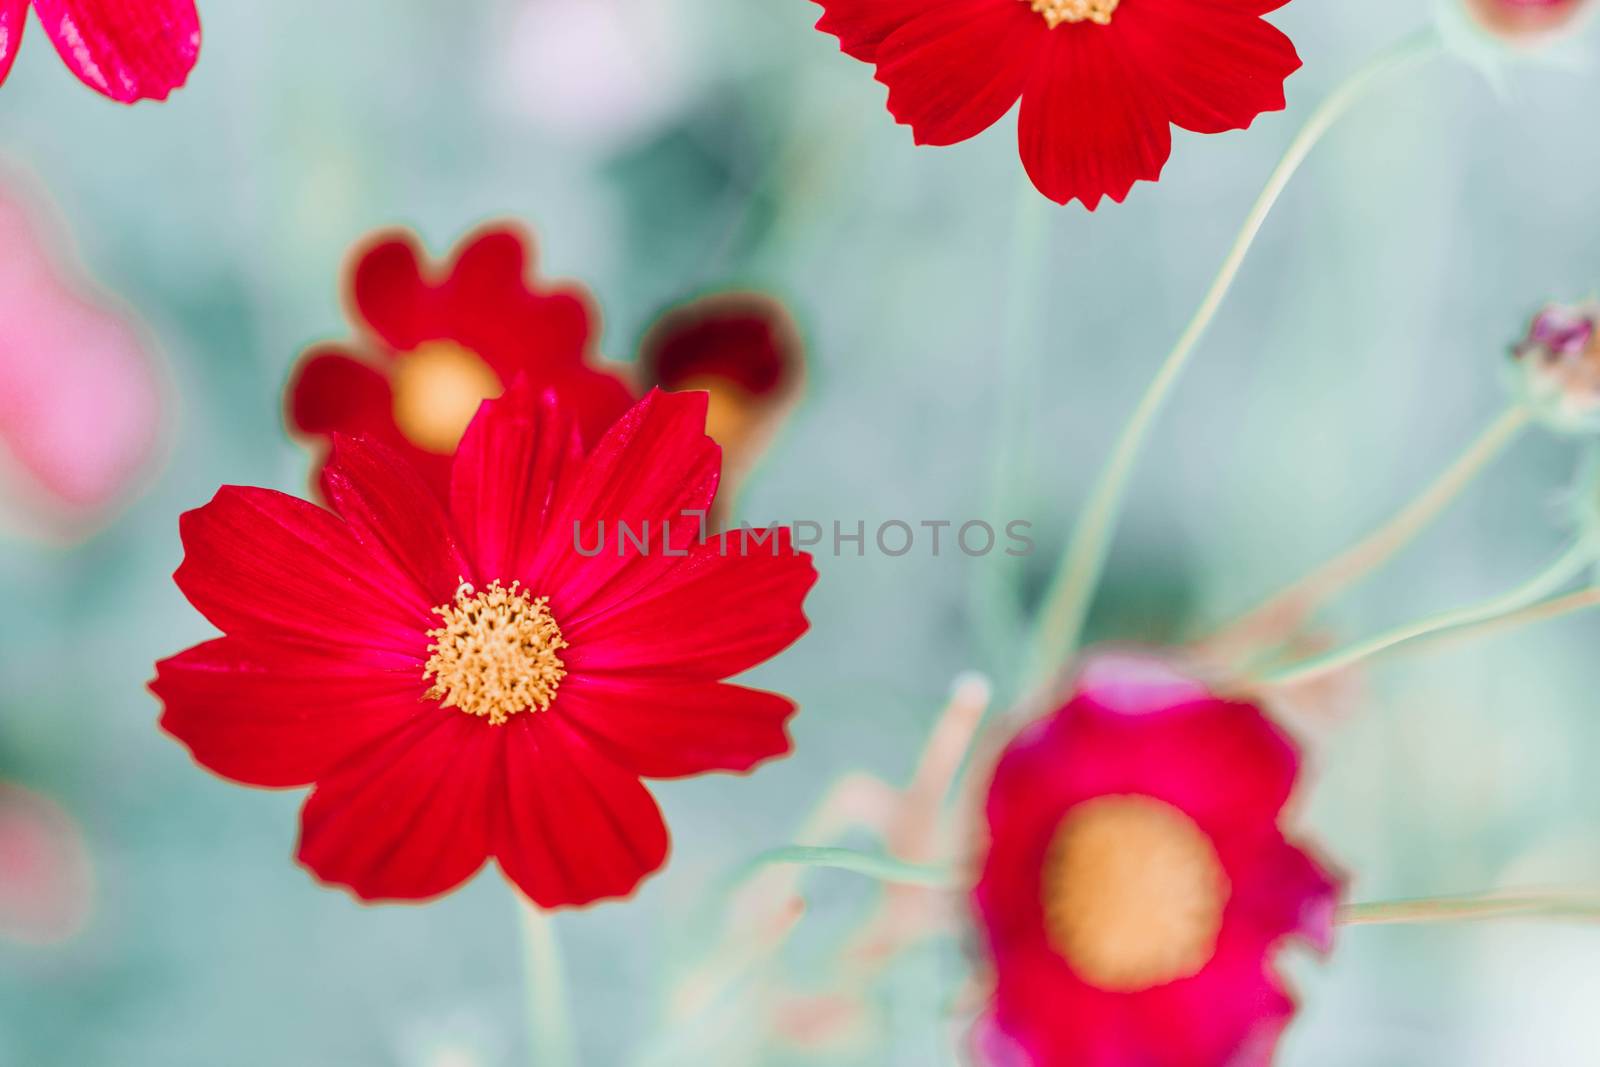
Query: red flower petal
point(711, 616)
point(274, 716)
point(13, 16)
point(263, 563)
point(332, 392)
point(394, 512)
point(389, 291)
point(862, 25)
point(599, 398)
point(577, 828)
point(514, 324)
point(955, 70)
point(410, 817)
point(1231, 1013)
point(664, 728)
point(1217, 69)
point(652, 466)
point(518, 457)
point(127, 49)
point(1092, 122)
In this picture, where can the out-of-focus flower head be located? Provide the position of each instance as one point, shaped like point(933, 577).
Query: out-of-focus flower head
point(44, 869)
point(744, 350)
point(1526, 20)
point(1557, 367)
point(1101, 81)
point(1137, 885)
point(457, 679)
point(80, 398)
point(127, 49)
point(601, 72)
point(439, 340)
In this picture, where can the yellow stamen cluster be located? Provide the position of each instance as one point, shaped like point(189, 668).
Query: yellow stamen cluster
point(1056, 12)
point(1133, 893)
point(437, 388)
point(497, 653)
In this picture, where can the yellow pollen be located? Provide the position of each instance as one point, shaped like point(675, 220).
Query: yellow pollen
point(1133, 893)
point(437, 389)
point(1056, 12)
point(497, 653)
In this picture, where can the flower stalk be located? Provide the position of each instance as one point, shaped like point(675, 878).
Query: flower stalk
point(1479, 907)
point(549, 1012)
point(1060, 626)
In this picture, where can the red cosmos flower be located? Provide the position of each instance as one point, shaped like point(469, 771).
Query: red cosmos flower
point(744, 350)
point(456, 680)
point(441, 341)
point(1100, 80)
point(1137, 885)
point(127, 49)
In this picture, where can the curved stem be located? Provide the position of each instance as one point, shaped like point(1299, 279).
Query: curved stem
point(549, 1014)
point(1473, 908)
point(1067, 601)
point(1283, 612)
point(1541, 585)
point(883, 868)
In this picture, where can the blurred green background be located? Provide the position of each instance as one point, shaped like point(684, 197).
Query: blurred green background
point(718, 142)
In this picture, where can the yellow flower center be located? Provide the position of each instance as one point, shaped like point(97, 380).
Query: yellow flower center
point(1056, 12)
point(437, 389)
point(497, 653)
point(1133, 893)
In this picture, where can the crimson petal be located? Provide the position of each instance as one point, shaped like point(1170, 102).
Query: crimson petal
point(862, 25)
point(13, 16)
point(275, 716)
point(577, 827)
point(127, 49)
point(408, 818)
point(332, 392)
point(389, 291)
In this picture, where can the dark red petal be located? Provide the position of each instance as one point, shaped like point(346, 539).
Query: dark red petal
point(13, 16)
point(127, 49)
point(1092, 123)
point(577, 828)
point(665, 728)
point(410, 817)
point(260, 563)
point(389, 291)
point(597, 398)
point(271, 715)
point(332, 392)
point(1218, 69)
point(955, 70)
point(392, 510)
point(652, 466)
point(861, 25)
point(711, 616)
point(520, 454)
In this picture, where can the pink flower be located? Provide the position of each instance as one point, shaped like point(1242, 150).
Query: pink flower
point(1137, 886)
point(80, 401)
point(44, 869)
point(127, 49)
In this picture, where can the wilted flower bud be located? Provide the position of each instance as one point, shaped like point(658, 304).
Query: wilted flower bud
point(1522, 19)
point(1558, 367)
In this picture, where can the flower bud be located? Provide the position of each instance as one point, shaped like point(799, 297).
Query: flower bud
point(1558, 367)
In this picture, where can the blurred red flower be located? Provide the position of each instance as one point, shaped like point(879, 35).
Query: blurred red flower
point(127, 49)
point(1518, 19)
point(80, 398)
point(1100, 81)
point(440, 341)
point(1137, 884)
point(744, 350)
point(457, 680)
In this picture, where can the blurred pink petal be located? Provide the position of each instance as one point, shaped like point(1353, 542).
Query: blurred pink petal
point(80, 400)
point(44, 869)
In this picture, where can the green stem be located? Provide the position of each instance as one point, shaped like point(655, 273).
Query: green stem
point(1541, 585)
point(1283, 612)
point(883, 868)
point(550, 1015)
point(1474, 908)
point(1060, 626)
